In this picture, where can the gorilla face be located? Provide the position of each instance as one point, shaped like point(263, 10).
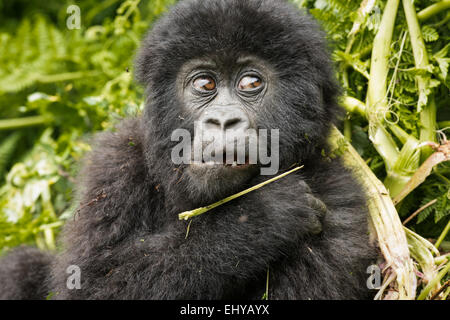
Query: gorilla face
point(225, 101)
point(233, 66)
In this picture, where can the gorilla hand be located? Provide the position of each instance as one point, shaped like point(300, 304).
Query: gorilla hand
point(295, 212)
point(232, 244)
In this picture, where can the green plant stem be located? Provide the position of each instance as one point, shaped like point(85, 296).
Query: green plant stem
point(192, 213)
point(428, 126)
point(353, 105)
point(51, 78)
point(445, 295)
point(348, 130)
point(401, 135)
point(364, 52)
point(427, 110)
point(442, 236)
point(434, 9)
point(266, 293)
point(434, 282)
point(441, 177)
point(376, 92)
point(380, 57)
point(444, 124)
point(384, 217)
point(442, 259)
point(440, 290)
point(18, 123)
point(407, 163)
point(377, 105)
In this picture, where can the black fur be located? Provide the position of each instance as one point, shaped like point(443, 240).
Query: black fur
point(23, 274)
point(126, 236)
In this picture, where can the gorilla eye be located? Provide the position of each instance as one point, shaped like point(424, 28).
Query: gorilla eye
point(249, 83)
point(204, 83)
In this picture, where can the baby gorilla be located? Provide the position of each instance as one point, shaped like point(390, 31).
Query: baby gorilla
point(227, 65)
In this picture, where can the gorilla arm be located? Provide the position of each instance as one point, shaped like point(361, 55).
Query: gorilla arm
point(128, 246)
point(224, 250)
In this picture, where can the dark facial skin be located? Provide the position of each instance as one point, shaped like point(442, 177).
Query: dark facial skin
point(244, 85)
point(225, 99)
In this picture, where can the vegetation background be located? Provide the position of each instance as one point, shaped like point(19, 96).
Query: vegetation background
point(59, 86)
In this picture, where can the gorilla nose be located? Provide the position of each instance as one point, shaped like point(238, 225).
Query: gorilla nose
point(225, 119)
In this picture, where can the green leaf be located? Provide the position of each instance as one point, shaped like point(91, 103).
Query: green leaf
point(429, 34)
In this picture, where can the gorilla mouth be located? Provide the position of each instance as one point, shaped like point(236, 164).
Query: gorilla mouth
point(224, 161)
point(235, 164)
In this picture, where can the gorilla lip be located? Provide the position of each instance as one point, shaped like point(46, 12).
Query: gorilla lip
point(226, 163)
point(233, 165)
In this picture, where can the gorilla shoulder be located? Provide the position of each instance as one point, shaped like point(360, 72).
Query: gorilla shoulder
point(116, 158)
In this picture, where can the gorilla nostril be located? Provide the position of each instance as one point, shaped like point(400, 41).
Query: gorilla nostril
point(221, 118)
point(213, 121)
point(231, 123)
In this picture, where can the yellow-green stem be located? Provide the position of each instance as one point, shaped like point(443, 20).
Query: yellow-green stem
point(426, 107)
point(384, 217)
point(18, 123)
point(354, 105)
point(434, 9)
point(428, 126)
point(376, 92)
point(442, 236)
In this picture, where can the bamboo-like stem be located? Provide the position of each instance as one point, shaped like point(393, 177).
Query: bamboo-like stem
point(428, 126)
point(353, 105)
point(390, 232)
point(376, 92)
point(18, 123)
point(434, 9)
point(426, 108)
point(401, 134)
point(442, 236)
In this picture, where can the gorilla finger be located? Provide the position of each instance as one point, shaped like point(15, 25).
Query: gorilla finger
point(304, 186)
point(314, 225)
point(317, 205)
